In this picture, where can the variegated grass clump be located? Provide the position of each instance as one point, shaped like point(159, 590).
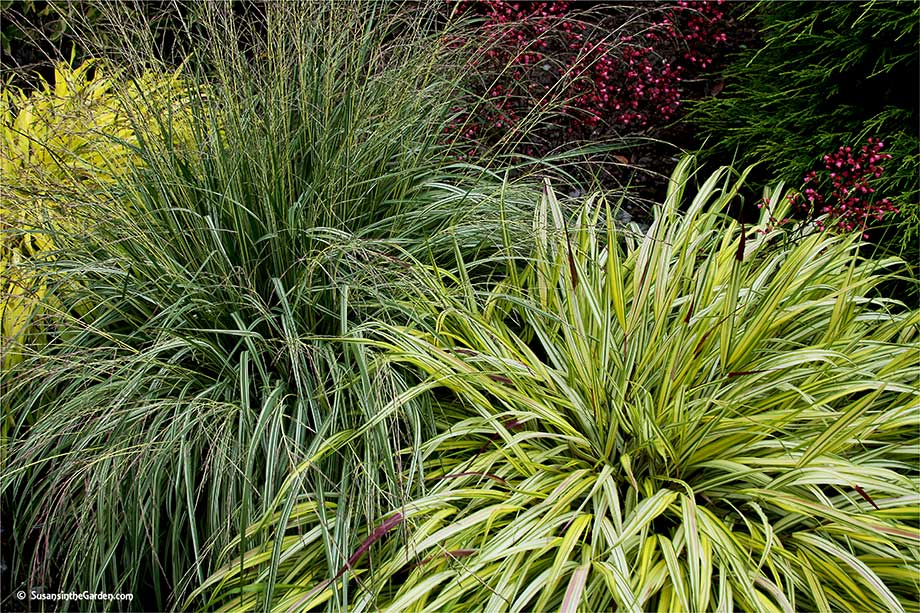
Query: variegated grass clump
point(704, 417)
point(195, 360)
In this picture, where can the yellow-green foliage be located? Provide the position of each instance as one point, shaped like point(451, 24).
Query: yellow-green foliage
point(59, 145)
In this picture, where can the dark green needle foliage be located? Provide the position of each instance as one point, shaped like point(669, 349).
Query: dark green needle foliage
point(829, 74)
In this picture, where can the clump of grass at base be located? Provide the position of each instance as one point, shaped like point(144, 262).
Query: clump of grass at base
point(707, 417)
point(194, 361)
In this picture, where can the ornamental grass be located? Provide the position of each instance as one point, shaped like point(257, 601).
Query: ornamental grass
point(701, 417)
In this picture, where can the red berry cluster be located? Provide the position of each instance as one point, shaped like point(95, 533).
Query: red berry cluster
point(699, 31)
point(516, 36)
point(526, 18)
point(628, 86)
point(842, 190)
point(537, 49)
point(645, 88)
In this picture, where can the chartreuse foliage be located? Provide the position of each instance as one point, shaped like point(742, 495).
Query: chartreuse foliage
point(704, 417)
point(59, 145)
point(193, 361)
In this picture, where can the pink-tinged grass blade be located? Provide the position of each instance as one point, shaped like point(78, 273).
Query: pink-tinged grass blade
point(574, 590)
point(378, 533)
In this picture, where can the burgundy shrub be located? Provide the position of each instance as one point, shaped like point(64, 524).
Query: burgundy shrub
point(842, 190)
point(633, 83)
